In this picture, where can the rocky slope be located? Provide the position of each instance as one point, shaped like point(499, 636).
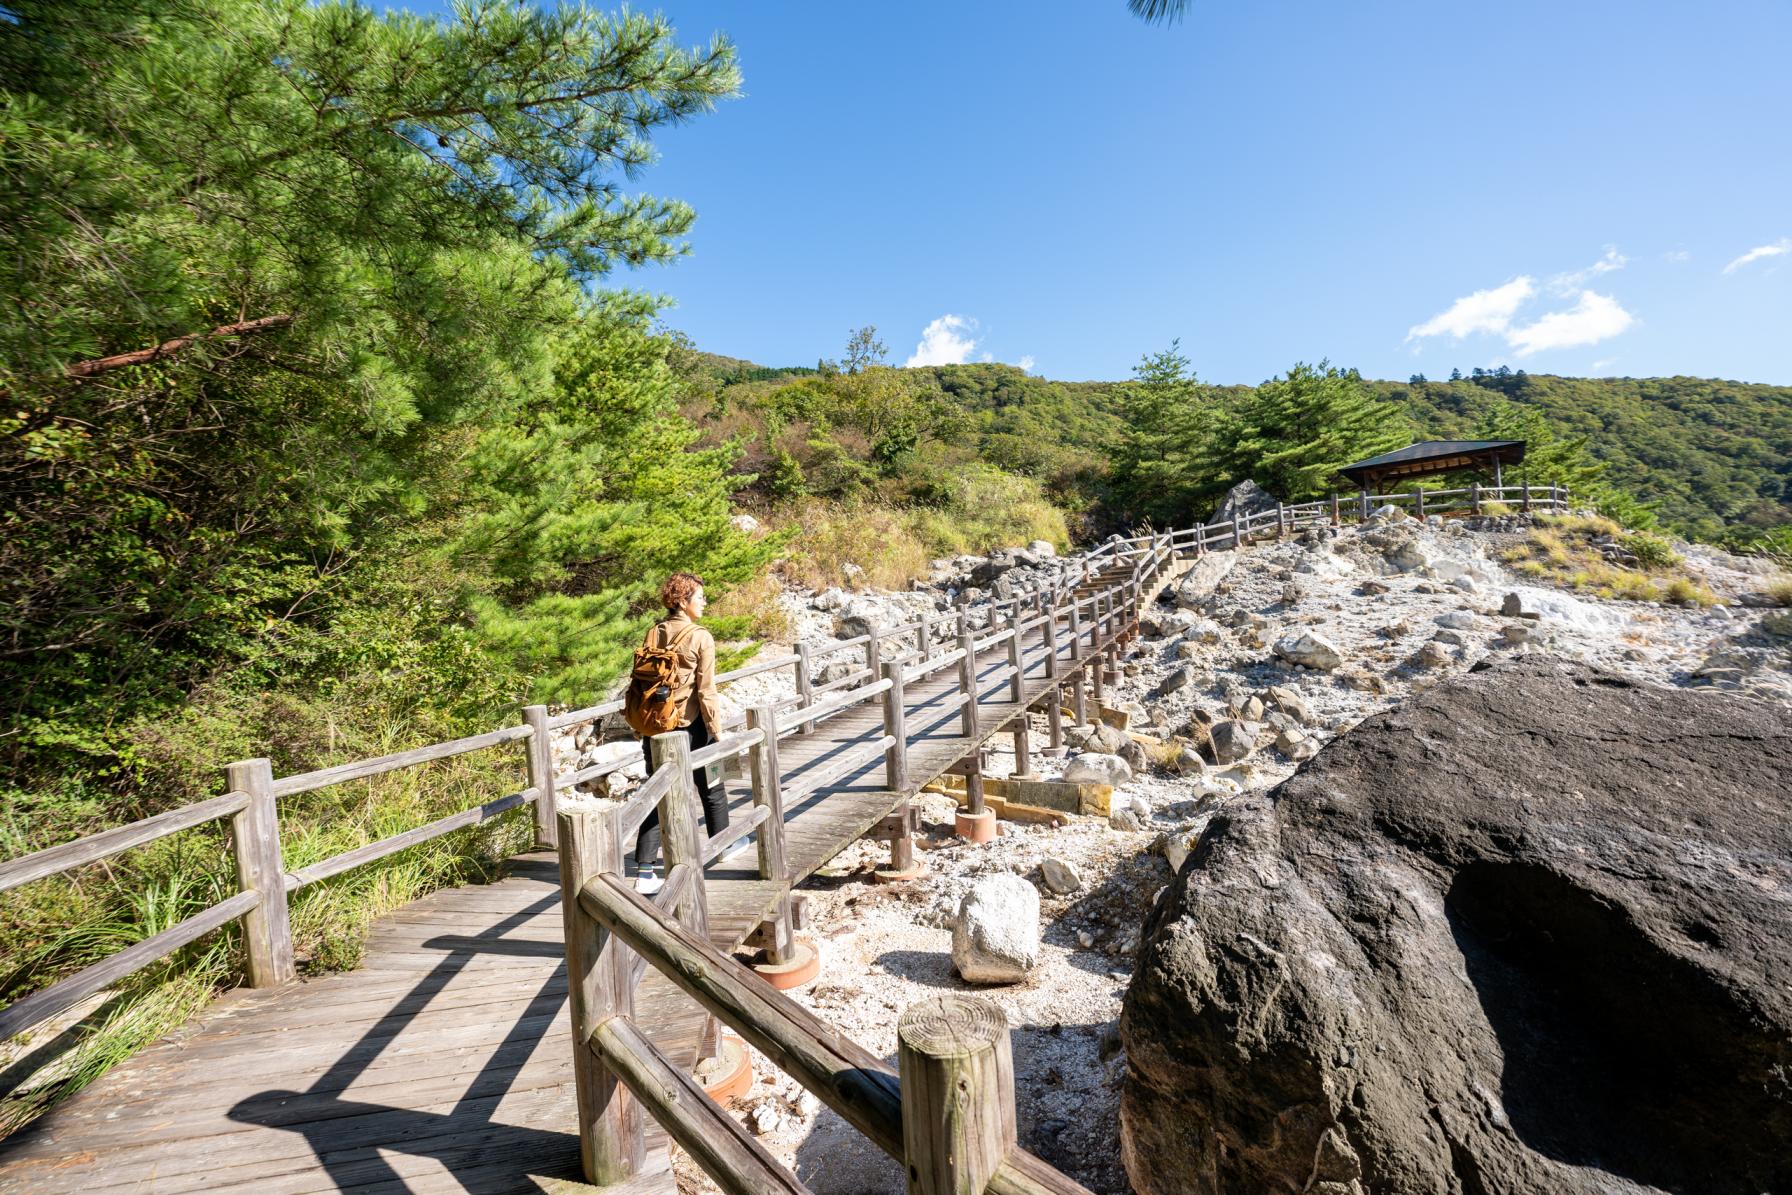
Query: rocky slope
point(1247, 667)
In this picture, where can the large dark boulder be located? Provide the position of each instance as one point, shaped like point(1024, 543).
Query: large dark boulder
point(1530, 933)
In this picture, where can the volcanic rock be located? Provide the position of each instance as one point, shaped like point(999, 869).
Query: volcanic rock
point(1531, 932)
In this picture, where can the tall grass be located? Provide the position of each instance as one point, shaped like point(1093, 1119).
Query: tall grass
point(974, 511)
point(1562, 549)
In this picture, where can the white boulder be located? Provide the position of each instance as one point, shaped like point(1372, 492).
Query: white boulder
point(995, 937)
point(1094, 767)
point(1311, 650)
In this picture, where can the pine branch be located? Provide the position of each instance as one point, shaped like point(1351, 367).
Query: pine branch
point(87, 369)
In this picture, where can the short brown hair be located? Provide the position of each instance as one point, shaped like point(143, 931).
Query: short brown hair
point(678, 589)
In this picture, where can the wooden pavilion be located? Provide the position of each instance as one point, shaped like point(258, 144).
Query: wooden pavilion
point(1434, 456)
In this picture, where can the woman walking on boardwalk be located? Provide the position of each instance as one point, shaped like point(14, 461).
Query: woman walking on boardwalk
point(698, 703)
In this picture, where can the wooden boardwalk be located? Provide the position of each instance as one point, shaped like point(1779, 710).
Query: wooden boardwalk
point(444, 1063)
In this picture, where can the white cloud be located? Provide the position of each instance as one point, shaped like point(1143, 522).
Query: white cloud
point(1677, 255)
point(1603, 364)
point(1594, 318)
point(1567, 284)
point(1483, 311)
point(1783, 245)
point(1027, 363)
point(948, 340)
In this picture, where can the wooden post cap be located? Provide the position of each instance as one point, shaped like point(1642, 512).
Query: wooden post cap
point(952, 1026)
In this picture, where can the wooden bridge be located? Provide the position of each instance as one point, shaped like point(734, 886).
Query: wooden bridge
point(449, 1061)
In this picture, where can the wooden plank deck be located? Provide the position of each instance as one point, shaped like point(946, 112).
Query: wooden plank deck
point(444, 1063)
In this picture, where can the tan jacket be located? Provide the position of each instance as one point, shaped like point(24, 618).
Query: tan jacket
point(696, 687)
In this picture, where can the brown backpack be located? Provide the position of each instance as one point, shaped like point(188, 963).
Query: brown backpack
point(648, 707)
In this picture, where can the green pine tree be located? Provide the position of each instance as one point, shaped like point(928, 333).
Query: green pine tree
point(1294, 432)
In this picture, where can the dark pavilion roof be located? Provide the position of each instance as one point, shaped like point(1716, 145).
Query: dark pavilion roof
point(1434, 456)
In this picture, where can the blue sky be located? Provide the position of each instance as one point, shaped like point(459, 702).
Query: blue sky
point(1564, 187)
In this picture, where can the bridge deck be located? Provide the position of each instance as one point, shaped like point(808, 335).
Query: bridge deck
point(444, 1063)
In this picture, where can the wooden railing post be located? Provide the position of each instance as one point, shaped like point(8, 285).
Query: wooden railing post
point(768, 791)
point(874, 656)
point(1525, 500)
point(682, 843)
point(967, 684)
point(1237, 533)
point(1474, 496)
point(1076, 628)
point(805, 680)
point(1049, 634)
point(1015, 661)
point(1419, 502)
point(255, 841)
point(1281, 522)
point(611, 1143)
point(541, 773)
point(957, 1076)
point(1337, 515)
point(768, 794)
point(895, 725)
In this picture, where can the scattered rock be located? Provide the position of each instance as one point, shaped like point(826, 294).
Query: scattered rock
point(1432, 655)
point(1181, 678)
point(745, 524)
point(1096, 768)
point(1099, 738)
point(1372, 587)
point(1233, 740)
point(1060, 876)
point(1130, 814)
point(1408, 556)
point(1290, 702)
point(995, 937)
point(1310, 650)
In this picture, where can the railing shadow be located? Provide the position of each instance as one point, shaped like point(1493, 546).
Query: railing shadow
point(351, 1139)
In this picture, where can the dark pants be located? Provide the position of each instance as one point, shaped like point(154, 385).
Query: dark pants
point(714, 799)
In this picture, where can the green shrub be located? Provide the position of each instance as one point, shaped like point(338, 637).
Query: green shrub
point(1652, 551)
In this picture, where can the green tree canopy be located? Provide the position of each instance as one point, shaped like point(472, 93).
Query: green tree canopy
point(294, 289)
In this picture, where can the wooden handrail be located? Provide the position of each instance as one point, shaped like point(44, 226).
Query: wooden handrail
point(349, 860)
point(1111, 609)
point(717, 845)
point(40, 1006)
point(107, 843)
point(717, 1142)
point(305, 782)
point(832, 706)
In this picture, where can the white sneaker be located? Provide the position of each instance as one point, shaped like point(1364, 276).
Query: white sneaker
point(647, 885)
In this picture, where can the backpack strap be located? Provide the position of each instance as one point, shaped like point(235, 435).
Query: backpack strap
point(677, 641)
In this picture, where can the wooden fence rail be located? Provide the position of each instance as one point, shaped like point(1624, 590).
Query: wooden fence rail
point(1077, 621)
point(948, 1117)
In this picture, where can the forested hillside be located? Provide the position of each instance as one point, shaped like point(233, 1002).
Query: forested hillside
point(1712, 459)
point(1713, 456)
